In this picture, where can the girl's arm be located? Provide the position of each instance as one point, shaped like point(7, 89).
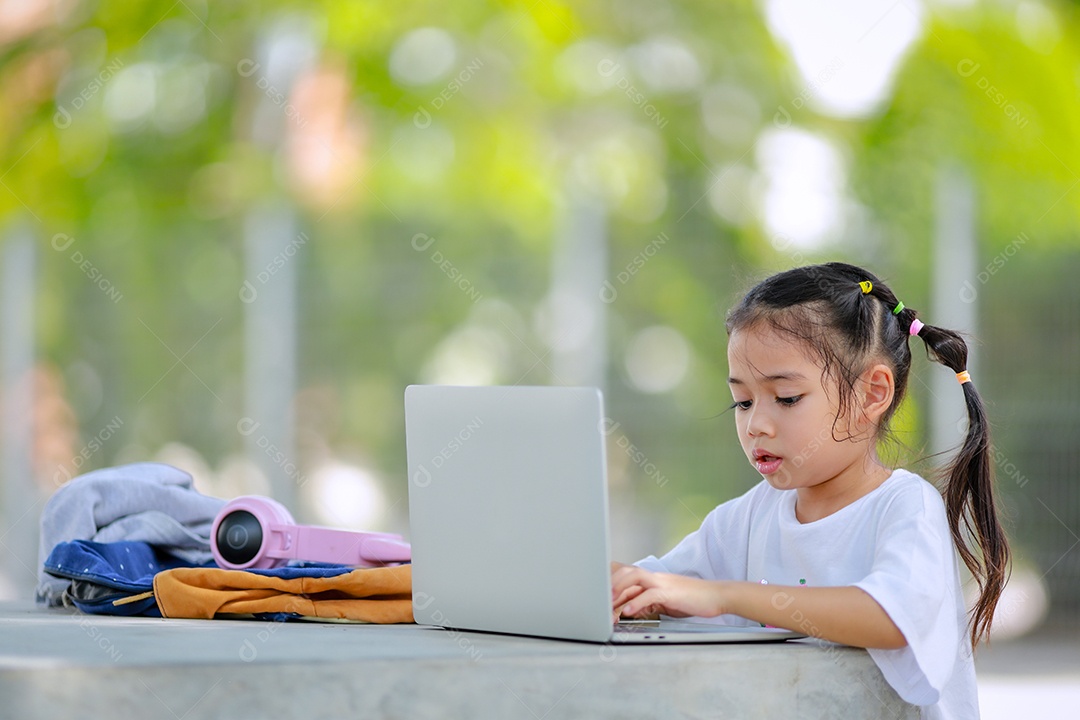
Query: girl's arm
point(846, 615)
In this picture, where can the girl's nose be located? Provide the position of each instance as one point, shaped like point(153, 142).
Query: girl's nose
point(758, 423)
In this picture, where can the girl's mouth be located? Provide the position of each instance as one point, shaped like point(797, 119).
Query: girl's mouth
point(765, 463)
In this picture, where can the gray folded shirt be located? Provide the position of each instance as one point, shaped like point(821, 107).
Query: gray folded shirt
point(148, 502)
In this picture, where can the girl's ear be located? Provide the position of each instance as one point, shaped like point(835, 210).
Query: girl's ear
point(878, 391)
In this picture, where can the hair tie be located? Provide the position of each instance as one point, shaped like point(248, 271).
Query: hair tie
point(866, 286)
point(963, 377)
point(916, 326)
point(899, 307)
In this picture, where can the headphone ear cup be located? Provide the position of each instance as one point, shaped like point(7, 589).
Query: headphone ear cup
point(242, 529)
point(239, 537)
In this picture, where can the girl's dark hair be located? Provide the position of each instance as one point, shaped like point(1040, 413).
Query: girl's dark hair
point(824, 308)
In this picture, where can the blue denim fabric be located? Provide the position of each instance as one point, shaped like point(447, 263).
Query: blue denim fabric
point(104, 572)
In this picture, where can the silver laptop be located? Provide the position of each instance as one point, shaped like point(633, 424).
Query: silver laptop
point(508, 517)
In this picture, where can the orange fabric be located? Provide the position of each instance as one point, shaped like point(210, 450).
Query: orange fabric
point(378, 595)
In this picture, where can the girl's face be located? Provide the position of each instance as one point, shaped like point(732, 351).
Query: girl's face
point(786, 416)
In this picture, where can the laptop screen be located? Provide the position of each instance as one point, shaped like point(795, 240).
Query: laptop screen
point(508, 509)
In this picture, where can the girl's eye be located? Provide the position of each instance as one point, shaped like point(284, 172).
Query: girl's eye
point(742, 404)
point(789, 401)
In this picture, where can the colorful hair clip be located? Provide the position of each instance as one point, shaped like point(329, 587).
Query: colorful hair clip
point(963, 377)
point(866, 286)
point(916, 326)
point(899, 307)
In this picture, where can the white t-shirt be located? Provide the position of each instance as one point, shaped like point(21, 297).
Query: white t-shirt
point(893, 542)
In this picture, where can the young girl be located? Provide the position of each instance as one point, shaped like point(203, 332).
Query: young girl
point(832, 543)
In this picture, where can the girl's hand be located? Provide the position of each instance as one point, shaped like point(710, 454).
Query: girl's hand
point(615, 566)
point(637, 593)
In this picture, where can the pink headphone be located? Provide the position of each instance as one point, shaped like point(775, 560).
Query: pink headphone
point(252, 531)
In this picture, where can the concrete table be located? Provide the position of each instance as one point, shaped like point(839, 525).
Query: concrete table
point(54, 664)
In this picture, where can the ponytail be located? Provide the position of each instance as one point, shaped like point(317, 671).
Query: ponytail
point(969, 489)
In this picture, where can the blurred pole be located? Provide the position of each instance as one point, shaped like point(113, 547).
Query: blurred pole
point(21, 512)
point(270, 347)
point(579, 269)
point(953, 299)
point(273, 246)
